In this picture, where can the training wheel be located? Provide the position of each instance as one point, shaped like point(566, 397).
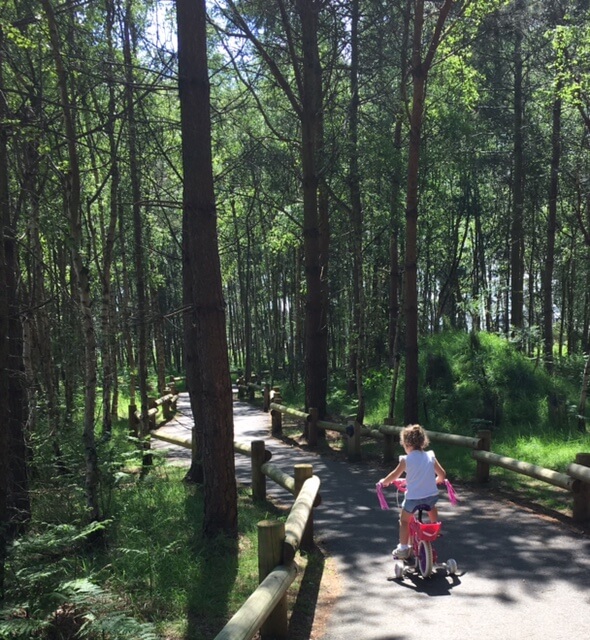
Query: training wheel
point(451, 566)
point(398, 570)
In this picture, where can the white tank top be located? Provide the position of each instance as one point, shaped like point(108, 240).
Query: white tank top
point(420, 475)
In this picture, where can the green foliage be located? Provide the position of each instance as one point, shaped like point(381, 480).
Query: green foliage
point(46, 597)
point(162, 564)
point(136, 575)
point(481, 380)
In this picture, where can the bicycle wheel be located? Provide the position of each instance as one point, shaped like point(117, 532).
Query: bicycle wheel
point(425, 558)
point(451, 566)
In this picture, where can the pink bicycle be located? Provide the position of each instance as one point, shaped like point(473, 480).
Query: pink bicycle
point(423, 556)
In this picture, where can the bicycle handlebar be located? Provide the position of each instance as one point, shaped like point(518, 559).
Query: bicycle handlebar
point(400, 485)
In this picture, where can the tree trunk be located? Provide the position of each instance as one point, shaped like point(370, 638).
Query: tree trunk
point(584, 397)
point(419, 74)
point(109, 365)
point(316, 320)
point(16, 415)
point(207, 365)
point(4, 324)
point(157, 307)
point(395, 211)
point(138, 249)
point(72, 187)
point(356, 212)
point(517, 234)
point(571, 336)
point(244, 277)
point(420, 69)
point(125, 305)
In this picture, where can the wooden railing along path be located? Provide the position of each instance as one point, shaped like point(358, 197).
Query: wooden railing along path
point(247, 390)
point(576, 479)
point(167, 403)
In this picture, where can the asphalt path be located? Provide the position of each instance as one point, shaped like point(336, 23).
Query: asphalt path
point(521, 575)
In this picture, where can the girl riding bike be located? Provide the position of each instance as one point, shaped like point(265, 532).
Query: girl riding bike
point(423, 473)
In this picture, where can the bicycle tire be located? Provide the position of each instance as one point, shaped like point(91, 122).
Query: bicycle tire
point(425, 561)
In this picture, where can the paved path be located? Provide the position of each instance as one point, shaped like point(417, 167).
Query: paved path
point(521, 576)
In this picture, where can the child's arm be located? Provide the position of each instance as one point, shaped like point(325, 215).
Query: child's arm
point(441, 474)
point(395, 474)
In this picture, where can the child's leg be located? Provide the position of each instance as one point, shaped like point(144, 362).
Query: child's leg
point(404, 526)
point(433, 514)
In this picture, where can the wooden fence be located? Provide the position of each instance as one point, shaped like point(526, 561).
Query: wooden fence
point(165, 403)
point(278, 543)
point(247, 390)
point(576, 479)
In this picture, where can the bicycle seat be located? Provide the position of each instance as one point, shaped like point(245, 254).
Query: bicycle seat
point(422, 507)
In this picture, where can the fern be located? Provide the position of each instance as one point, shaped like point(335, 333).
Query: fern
point(21, 628)
point(122, 627)
point(43, 600)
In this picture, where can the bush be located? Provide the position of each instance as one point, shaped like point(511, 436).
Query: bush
point(481, 379)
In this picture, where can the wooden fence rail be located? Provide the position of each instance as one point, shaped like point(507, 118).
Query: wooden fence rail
point(256, 610)
point(576, 479)
point(249, 389)
point(167, 403)
point(526, 468)
point(278, 543)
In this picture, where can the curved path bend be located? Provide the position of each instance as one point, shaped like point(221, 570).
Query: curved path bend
point(521, 576)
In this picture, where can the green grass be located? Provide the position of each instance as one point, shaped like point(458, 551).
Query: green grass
point(165, 567)
point(551, 450)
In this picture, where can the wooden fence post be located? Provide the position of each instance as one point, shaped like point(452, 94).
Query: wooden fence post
point(276, 416)
point(271, 535)
point(389, 441)
point(152, 416)
point(266, 397)
point(167, 407)
point(302, 473)
point(354, 443)
point(312, 438)
point(581, 508)
point(482, 473)
point(258, 478)
point(133, 420)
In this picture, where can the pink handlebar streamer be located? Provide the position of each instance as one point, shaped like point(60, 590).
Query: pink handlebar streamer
point(382, 500)
point(452, 495)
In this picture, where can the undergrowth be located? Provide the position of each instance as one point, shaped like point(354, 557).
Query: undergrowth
point(144, 572)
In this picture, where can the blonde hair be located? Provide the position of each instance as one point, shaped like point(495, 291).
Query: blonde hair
point(414, 436)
